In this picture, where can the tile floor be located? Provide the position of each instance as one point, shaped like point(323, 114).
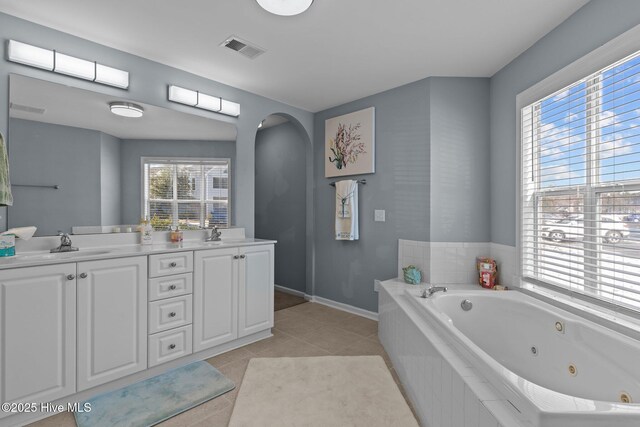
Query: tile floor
point(284, 300)
point(303, 330)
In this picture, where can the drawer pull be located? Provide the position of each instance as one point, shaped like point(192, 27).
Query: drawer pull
point(71, 276)
point(172, 346)
point(83, 275)
point(172, 287)
point(236, 257)
point(173, 264)
point(172, 314)
point(243, 256)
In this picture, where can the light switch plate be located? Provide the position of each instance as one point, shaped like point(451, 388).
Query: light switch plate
point(376, 285)
point(379, 215)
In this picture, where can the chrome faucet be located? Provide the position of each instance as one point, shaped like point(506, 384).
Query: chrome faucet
point(215, 235)
point(65, 244)
point(432, 290)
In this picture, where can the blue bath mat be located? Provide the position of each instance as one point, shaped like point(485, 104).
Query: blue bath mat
point(151, 401)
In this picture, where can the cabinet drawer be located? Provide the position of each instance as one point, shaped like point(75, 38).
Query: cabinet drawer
point(167, 264)
point(170, 286)
point(169, 313)
point(169, 345)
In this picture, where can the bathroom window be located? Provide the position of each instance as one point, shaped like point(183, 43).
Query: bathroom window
point(186, 193)
point(581, 186)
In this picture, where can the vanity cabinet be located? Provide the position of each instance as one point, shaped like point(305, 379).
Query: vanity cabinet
point(38, 333)
point(170, 307)
point(233, 294)
point(215, 295)
point(112, 319)
point(255, 289)
point(76, 326)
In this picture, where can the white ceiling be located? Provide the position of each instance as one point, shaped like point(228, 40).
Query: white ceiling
point(335, 52)
point(84, 109)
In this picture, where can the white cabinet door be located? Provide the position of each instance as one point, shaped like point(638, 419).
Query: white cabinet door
point(38, 333)
point(255, 311)
point(215, 297)
point(112, 319)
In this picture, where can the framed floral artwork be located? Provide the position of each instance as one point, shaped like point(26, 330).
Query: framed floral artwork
point(350, 144)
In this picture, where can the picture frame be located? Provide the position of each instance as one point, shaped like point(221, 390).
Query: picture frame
point(350, 144)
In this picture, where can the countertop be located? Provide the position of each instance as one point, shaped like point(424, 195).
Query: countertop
point(31, 259)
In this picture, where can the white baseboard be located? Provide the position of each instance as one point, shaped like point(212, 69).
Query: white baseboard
point(292, 292)
point(345, 307)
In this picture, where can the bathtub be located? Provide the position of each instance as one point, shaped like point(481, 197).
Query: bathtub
point(556, 369)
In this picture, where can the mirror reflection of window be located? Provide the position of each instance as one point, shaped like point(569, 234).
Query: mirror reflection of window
point(188, 193)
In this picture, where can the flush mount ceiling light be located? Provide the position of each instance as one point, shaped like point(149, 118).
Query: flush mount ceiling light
point(57, 62)
point(201, 100)
point(285, 7)
point(126, 109)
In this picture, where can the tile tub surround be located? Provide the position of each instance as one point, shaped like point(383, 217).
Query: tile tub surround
point(443, 387)
point(305, 330)
point(454, 262)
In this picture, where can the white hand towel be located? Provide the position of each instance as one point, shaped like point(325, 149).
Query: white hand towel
point(347, 210)
point(6, 199)
point(24, 233)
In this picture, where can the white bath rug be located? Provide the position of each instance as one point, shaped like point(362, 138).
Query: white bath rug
point(320, 391)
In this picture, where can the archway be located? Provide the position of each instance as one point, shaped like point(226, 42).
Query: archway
point(283, 199)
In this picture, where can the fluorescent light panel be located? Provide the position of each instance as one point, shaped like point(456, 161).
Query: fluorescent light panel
point(51, 60)
point(23, 53)
point(201, 100)
point(230, 108)
point(74, 67)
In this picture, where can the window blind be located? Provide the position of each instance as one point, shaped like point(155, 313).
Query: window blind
point(580, 216)
point(189, 193)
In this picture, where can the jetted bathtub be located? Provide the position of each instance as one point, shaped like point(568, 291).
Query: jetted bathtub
point(556, 368)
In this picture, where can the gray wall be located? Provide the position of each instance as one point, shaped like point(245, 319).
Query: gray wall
point(432, 178)
point(110, 180)
point(132, 150)
point(149, 82)
point(46, 154)
point(460, 163)
point(596, 23)
point(344, 271)
point(281, 193)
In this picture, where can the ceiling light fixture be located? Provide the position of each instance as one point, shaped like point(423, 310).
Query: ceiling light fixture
point(57, 62)
point(285, 7)
point(201, 100)
point(126, 109)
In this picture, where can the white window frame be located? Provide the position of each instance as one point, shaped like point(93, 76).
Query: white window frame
point(144, 207)
point(622, 46)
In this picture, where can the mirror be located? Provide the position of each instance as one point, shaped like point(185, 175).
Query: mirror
point(78, 168)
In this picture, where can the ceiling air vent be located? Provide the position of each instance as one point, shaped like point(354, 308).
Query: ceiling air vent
point(243, 47)
point(26, 108)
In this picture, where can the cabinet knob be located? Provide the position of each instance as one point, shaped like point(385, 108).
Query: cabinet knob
point(236, 257)
point(172, 346)
point(83, 275)
point(172, 314)
point(173, 264)
point(243, 256)
point(172, 287)
point(71, 276)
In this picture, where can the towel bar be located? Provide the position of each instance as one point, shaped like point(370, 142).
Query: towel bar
point(360, 181)
point(55, 187)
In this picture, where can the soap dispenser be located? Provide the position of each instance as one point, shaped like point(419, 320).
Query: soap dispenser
point(146, 232)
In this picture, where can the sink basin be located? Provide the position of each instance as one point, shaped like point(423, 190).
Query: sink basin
point(63, 255)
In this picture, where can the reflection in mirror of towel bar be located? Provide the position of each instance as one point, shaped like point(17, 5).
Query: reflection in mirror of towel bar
point(360, 181)
point(55, 187)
